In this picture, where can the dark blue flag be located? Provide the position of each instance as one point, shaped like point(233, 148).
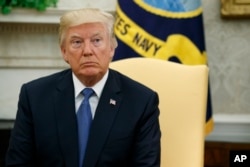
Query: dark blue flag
point(170, 30)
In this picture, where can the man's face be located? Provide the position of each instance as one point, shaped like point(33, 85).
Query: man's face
point(88, 50)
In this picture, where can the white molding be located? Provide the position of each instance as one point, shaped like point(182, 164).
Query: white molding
point(42, 52)
point(230, 128)
point(232, 118)
point(42, 62)
point(32, 16)
point(18, 15)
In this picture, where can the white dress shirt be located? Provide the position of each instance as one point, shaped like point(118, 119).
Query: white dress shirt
point(93, 100)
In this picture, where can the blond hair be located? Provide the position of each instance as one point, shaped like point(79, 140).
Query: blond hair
point(86, 15)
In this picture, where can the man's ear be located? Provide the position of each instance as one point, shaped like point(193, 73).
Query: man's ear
point(112, 52)
point(63, 51)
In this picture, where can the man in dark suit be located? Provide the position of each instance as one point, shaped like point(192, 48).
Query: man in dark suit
point(125, 128)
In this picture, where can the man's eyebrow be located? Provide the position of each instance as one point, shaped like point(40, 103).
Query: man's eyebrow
point(75, 36)
point(97, 34)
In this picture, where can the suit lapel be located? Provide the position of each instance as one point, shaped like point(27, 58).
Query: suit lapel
point(66, 120)
point(103, 121)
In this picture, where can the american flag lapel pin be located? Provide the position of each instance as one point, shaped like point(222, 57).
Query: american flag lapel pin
point(112, 101)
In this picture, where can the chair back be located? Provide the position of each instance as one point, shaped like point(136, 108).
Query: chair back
point(182, 91)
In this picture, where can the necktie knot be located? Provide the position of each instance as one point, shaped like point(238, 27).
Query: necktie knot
point(87, 92)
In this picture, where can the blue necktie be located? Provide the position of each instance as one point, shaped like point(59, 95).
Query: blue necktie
point(84, 119)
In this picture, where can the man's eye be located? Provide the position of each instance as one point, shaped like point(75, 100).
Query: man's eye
point(76, 43)
point(96, 41)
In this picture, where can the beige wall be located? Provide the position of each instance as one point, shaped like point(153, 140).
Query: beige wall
point(228, 50)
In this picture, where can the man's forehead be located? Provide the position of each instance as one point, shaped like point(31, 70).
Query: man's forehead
point(88, 34)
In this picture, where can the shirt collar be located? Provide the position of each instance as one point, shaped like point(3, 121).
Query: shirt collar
point(98, 87)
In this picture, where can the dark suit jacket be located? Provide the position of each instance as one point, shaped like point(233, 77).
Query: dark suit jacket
point(125, 134)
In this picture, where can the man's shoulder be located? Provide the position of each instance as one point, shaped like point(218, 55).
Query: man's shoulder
point(129, 83)
point(50, 78)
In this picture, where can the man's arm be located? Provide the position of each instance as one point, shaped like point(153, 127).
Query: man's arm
point(21, 146)
point(147, 146)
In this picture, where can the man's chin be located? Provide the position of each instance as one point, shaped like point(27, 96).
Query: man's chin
point(90, 72)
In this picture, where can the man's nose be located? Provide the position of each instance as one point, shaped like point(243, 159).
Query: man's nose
point(87, 49)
